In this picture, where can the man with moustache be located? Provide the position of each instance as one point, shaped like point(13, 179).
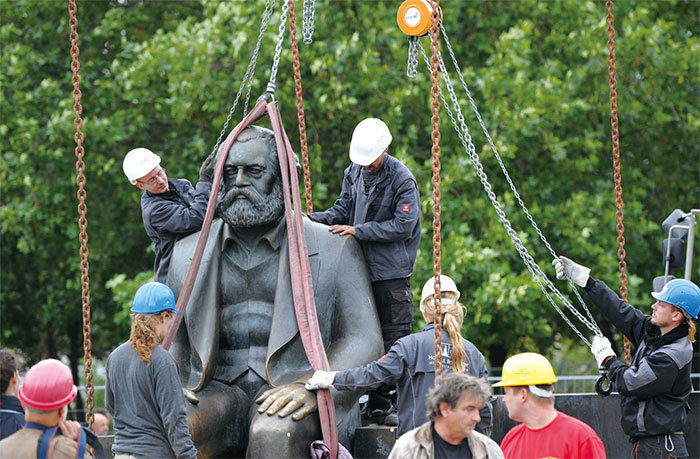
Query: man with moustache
point(171, 208)
point(239, 343)
point(453, 411)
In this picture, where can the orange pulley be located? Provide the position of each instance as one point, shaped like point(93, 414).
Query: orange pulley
point(415, 17)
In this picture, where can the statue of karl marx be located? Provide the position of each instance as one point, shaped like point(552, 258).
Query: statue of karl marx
point(239, 343)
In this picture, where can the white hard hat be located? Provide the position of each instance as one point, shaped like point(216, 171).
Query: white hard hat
point(369, 140)
point(446, 285)
point(138, 163)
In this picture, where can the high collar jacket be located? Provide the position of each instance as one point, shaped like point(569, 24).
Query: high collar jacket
point(390, 232)
point(656, 386)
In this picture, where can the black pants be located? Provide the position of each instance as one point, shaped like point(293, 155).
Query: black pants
point(394, 301)
point(658, 446)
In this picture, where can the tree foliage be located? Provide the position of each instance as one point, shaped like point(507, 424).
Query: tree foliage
point(163, 75)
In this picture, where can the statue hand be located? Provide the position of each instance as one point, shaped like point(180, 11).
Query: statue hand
point(287, 399)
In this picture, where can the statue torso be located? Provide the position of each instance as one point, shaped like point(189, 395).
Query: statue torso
point(248, 285)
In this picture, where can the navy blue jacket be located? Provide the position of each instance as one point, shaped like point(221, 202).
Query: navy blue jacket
point(656, 387)
point(390, 234)
point(410, 363)
point(170, 216)
point(11, 415)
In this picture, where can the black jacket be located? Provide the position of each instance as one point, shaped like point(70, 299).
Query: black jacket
point(11, 415)
point(656, 387)
point(170, 216)
point(390, 232)
point(411, 364)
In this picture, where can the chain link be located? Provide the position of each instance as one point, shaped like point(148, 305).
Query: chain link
point(308, 25)
point(616, 166)
point(437, 225)
point(278, 48)
point(412, 63)
point(300, 108)
point(502, 166)
point(82, 209)
point(541, 279)
point(248, 76)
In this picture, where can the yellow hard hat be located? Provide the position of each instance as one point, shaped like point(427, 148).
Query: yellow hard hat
point(526, 369)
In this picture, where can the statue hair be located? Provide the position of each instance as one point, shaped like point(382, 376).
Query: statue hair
point(452, 319)
point(143, 333)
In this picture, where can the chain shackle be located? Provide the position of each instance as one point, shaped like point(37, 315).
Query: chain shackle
point(82, 209)
point(616, 166)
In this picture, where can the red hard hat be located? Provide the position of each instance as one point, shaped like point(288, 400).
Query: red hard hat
point(48, 386)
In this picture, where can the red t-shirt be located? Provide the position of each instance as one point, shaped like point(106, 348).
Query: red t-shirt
point(564, 437)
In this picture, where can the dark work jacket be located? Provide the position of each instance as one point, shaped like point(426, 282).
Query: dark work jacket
point(656, 387)
point(170, 216)
point(411, 364)
point(390, 234)
point(11, 415)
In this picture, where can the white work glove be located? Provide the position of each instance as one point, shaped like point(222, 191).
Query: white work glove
point(321, 380)
point(568, 270)
point(601, 349)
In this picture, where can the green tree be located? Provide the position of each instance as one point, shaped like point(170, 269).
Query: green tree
point(163, 75)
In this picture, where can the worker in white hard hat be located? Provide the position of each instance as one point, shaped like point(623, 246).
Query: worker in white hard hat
point(528, 380)
point(171, 208)
point(411, 361)
point(379, 204)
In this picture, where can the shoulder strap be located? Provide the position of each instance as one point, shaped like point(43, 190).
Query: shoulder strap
point(45, 441)
point(82, 441)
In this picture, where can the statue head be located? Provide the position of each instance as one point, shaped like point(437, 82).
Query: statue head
point(251, 194)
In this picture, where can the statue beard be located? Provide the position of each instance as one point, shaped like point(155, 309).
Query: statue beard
point(255, 210)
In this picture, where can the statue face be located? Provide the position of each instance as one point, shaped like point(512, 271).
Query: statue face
point(252, 192)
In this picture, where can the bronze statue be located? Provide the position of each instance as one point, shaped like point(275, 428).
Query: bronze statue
point(239, 343)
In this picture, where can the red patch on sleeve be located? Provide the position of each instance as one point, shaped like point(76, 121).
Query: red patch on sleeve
point(382, 357)
point(406, 207)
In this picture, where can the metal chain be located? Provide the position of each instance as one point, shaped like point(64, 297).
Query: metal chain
point(278, 49)
point(248, 77)
point(502, 166)
point(437, 226)
point(82, 209)
point(616, 166)
point(540, 277)
point(300, 108)
point(412, 63)
point(267, 14)
point(308, 25)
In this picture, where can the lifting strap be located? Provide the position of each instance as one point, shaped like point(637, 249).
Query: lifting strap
point(300, 272)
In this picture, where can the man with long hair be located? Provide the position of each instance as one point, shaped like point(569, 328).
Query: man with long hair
point(142, 387)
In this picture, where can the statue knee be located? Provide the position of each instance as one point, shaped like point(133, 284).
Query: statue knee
point(272, 436)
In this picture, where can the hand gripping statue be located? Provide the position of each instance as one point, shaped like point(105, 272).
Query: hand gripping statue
point(239, 348)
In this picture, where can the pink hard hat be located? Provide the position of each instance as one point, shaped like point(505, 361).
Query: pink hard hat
point(48, 386)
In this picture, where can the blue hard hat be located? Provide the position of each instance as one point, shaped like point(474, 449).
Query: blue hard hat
point(681, 293)
point(152, 298)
